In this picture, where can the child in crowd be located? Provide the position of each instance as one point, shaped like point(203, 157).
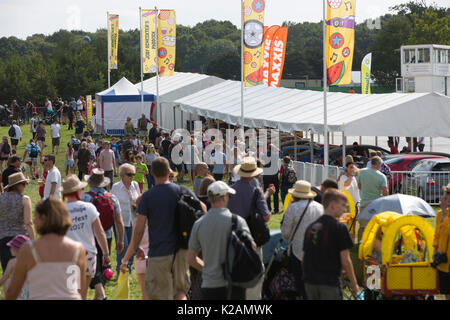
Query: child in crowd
point(141, 172)
point(14, 246)
point(70, 162)
point(91, 165)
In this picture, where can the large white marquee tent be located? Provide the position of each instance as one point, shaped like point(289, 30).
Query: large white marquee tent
point(289, 110)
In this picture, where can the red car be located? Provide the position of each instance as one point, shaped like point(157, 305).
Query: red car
point(403, 162)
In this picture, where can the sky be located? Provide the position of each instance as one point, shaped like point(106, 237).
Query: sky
point(22, 18)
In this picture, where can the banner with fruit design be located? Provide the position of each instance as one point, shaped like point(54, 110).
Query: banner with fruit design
point(277, 56)
point(113, 26)
point(253, 12)
point(340, 41)
point(269, 32)
point(366, 65)
point(149, 41)
point(167, 37)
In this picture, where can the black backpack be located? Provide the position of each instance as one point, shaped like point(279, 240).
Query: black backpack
point(258, 227)
point(188, 211)
point(243, 266)
point(12, 132)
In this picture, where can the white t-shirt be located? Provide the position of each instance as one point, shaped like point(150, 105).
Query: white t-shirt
point(352, 188)
point(83, 215)
point(79, 105)
point(55, 130)
point(53, 176)
point(49, 105)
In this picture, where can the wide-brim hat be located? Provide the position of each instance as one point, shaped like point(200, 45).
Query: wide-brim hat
point(71, 184)
point(248, 168)
point(97, 179)
point(302, 190)
point(16, 178)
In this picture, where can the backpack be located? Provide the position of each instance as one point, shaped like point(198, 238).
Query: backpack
point(105, 207)
point(188, 211)
point(12, 132)
point(289, 175)
point(34, 151)
point(243, 266)
point(75, 144)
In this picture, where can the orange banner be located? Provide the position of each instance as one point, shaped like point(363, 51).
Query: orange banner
point(277, 56)
point(269, 32)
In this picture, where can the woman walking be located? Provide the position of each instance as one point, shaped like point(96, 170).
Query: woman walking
point(149, 157)
point(15, 214)
point(53, 265)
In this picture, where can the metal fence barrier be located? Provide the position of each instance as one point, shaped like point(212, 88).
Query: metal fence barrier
point(314, 173)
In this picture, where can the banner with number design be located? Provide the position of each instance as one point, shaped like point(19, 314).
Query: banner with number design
point(149, 43)
point(277, 56)
point(167, 38)
point(269, 32)
point(113, 25)
point(340, 41)
point(253, 12)
point(366, 66)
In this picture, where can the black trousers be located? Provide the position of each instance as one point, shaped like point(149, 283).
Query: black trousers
point(5, 253)
point(98, 278)
point(295, 267)
point(222, 293)
point(218, 176)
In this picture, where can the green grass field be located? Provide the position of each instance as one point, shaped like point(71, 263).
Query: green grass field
point(33, 193)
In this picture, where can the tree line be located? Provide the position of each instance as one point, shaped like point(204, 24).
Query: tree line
point(68, 64)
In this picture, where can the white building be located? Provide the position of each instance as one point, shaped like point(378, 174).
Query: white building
point(425, 68)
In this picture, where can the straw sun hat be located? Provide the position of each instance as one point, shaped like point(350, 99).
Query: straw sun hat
point(302, 190)
point(16, 178)
point(248, 168)
point(97, 179)
point(71, 184)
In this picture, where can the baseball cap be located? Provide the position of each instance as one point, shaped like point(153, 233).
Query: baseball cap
point(220, 188)
point(18, 241)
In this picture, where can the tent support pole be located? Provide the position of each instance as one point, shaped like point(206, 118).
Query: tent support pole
point(344, 144)
point(431, 144)
point(158, 106)
point(182, 118)
point(325, 89)
point(376, 141)
point(174, 117)
point(360, 140)
point(311, 149)
point(109, 54)
point(295, 146)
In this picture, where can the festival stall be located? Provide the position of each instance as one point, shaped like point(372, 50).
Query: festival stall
point(117, 103)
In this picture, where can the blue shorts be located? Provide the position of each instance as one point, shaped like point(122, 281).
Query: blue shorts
point(70, 163)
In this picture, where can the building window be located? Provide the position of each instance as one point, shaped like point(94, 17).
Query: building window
point(410, 56)
point(424, 55)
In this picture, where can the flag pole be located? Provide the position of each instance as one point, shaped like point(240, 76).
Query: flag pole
point(142, 71)
point(325, 85)
point(158, 108)
point(109, 47)
point(242, 64)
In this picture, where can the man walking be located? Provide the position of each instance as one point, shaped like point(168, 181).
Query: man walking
point(107, 161)
point(167, 269)
point(55, 132)
point(210, 237)
point(326, 251)
point(373, 185)
point(142, 127)
point(242, 204)
point(53, 181)
point(15, 134)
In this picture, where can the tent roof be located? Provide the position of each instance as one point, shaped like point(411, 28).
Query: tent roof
point(123, 91)
point(179, 85)
point(395, 114)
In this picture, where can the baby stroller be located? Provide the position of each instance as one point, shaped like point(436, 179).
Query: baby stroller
point(278, 281)
point(49, 117)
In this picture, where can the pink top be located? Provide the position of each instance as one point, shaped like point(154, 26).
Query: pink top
point(54, 280)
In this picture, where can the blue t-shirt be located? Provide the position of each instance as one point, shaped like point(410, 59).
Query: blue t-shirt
point(73, 104)
point(159, 204)
point(115, 148)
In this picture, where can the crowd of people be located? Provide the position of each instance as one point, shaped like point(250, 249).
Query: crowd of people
point(66, 248)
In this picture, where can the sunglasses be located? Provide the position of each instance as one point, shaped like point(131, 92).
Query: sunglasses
point(131, 174)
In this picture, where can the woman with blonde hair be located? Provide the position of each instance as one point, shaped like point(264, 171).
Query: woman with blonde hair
point(54, 266)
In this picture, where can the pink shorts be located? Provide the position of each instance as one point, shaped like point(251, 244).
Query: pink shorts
point(91, 264)
point(141, 266)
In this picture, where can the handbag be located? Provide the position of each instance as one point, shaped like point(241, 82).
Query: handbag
point(133, 206)
point(258, 227)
